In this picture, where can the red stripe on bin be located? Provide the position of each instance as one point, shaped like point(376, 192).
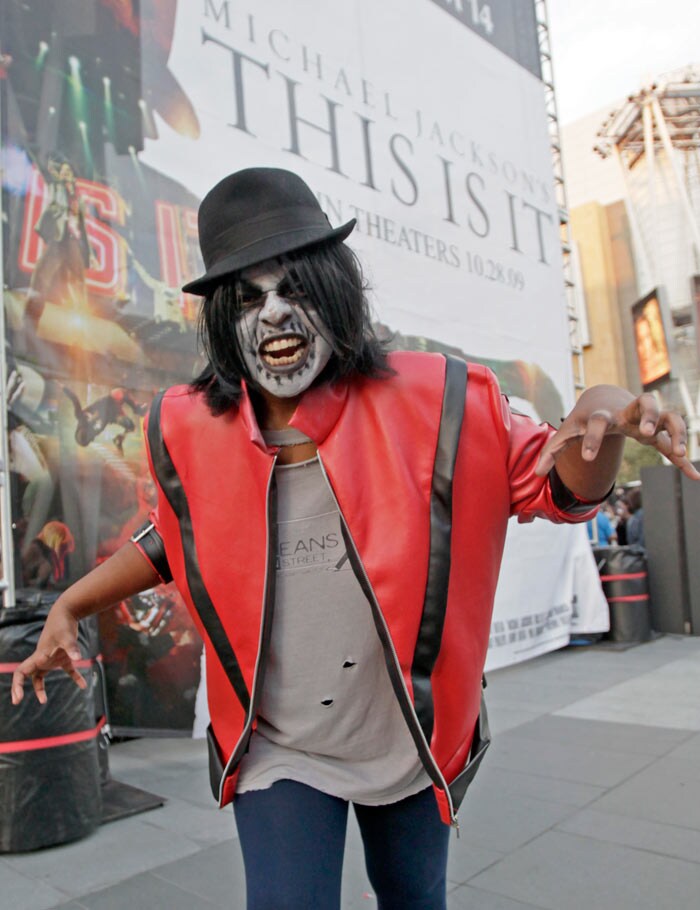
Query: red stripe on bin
point(614, 600)
point(623, 577)
point(51, 742)
point(80, 664)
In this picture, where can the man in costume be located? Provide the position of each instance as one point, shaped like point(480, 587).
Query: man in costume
point(334, 518)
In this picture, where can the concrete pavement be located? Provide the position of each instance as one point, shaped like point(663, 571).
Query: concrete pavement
point(588, 798)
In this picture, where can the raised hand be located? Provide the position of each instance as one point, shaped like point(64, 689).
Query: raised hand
point(606, 411)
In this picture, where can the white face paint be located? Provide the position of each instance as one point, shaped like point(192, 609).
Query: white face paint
point(282, 349)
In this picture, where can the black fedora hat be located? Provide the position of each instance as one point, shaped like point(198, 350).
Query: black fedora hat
point(257, 214)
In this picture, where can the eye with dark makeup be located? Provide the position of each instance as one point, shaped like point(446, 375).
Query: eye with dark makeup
point(289, 288)
point(249, 295)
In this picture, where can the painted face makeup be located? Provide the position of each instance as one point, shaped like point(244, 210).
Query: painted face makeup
point(283, 350)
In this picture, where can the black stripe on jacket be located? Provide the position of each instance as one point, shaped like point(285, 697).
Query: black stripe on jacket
point(172, 487)
point(435, 602)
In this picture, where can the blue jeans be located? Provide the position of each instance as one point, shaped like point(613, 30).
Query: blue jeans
point(293, 837)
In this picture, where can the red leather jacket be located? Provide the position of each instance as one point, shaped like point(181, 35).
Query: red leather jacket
point(426, 467)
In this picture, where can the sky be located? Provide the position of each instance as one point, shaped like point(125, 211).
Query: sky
point(604, 50)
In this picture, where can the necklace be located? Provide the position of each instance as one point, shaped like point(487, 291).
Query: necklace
point(289, 436)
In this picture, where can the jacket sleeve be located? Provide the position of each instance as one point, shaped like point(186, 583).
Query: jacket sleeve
point(532, 496)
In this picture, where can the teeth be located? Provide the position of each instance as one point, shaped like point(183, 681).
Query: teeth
point(284, 361)
point(282, 352)
point(281, 344)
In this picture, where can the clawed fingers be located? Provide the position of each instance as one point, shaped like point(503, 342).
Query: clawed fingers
point(673, 433)
point(596, 428)
point(66, 664)
point(556, 444)
point(670, 450)
point(605, 411)
point(685, 466)
point(78, 678)
point(17, 690)
point(591, 434)
point(37, 666)
point(665, 430)
point(689, 469)
point(671, 439)
point(39, 688)
point(644, 412)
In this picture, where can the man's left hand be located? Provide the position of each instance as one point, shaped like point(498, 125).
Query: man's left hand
point(607, 410)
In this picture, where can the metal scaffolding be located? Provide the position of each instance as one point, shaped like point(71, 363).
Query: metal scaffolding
point(664, 115)
point(560, 193)
point(655, 139)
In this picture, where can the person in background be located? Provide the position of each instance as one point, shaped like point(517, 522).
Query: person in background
point(635, 523)
point(601, 530)
point(622, 514)
point(334, 517)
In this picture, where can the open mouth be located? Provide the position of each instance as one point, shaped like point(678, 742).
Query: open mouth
point(283, 351)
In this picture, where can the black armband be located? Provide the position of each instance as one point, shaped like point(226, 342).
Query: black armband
point(568, 502)
point(151, 543)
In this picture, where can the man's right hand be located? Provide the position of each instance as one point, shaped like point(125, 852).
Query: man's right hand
point(57, 649)
point(124, 574)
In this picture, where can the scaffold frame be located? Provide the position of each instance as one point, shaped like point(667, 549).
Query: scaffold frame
point(576, 348)
point(662, 115)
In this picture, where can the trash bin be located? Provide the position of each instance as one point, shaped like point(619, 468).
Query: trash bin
point(623, 572)
point(49, 770)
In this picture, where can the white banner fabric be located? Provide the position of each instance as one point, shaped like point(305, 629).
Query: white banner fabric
point(437, 143)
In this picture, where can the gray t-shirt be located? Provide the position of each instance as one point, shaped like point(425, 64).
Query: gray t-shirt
point(328, 716)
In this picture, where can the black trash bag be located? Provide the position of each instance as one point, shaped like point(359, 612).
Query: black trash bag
point(49, 792)
point(623, 572)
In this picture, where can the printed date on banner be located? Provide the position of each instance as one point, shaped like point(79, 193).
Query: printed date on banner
point(493, 270)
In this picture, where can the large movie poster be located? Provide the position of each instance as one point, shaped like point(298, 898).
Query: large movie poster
point(427, 127)
point(95, 247)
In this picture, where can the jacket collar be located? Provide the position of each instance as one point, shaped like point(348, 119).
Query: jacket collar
point(317, 413)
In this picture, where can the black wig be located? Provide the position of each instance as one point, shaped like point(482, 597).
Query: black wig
point(330, 278)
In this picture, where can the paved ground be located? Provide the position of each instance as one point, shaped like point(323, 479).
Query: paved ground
point(589, 799)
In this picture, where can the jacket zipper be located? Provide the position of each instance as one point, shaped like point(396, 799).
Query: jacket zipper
point(424, 753)
point(242, 744)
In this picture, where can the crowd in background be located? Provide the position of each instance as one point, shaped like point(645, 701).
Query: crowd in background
point(620, 520)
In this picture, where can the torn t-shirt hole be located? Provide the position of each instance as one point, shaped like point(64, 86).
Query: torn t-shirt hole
point(326, 702)
point(349, 663)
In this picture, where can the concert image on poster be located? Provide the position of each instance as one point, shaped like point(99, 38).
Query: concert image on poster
point(96, 246)
point(650, 340)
